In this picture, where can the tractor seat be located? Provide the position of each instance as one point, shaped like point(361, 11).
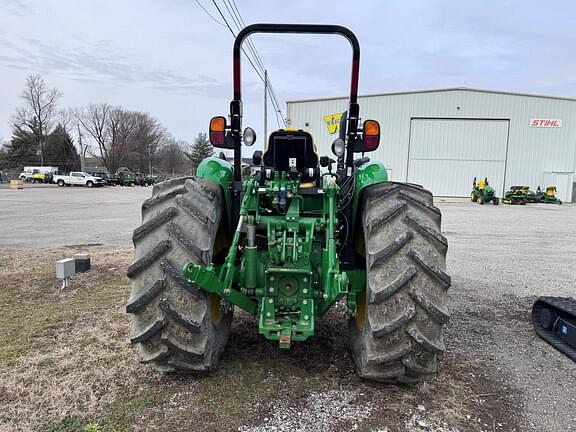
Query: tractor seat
point(286, 144)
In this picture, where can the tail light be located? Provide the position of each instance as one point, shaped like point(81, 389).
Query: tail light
point(371, 135)
point(218, 131)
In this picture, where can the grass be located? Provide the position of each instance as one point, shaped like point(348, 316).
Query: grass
point(60, 350)
point(66, 365)
point(29, 314)
point(66, 424)
point(120, 415)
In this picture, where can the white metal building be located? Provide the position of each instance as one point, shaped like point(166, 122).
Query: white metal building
point(444, 138)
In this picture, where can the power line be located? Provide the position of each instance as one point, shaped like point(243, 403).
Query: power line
point(239, 23)
point(276, 104)
point(209, 14)
point(277, 121)
point(242, 24)
point(233, 15)
point(234, 34)
point(252, 47)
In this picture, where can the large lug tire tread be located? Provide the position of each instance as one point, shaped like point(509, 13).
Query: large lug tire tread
point(172, 320)
point(401, 339)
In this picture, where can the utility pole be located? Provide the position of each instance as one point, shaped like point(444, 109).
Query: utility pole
point(149, 161)
point(265, 107)
point(82, 151)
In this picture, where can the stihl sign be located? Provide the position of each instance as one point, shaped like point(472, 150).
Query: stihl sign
point(545, 123)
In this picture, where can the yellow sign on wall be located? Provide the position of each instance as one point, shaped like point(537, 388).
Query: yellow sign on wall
point(333, 122)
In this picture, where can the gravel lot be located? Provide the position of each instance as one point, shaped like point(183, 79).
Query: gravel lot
point(502, 258)
point(48, 216)
point(496, 375)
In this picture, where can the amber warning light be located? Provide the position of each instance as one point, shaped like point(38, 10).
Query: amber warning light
point(371, 135)
point(217, 131)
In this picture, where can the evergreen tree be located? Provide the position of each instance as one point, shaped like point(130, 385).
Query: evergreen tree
point(60, 152)
point(23, 148)
point(201, 149)
point(4, 163)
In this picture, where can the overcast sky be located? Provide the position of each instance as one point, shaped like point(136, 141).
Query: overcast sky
point(169, 58)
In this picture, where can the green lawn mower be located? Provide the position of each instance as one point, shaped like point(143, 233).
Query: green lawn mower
point(520, 195)
point(482, 192)
point(287, 244)
point(548, 196)
point(523, 195)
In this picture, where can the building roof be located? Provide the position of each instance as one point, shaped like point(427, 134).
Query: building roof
point(469, 89)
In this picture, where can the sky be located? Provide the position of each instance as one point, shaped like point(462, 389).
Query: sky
point(171, 59)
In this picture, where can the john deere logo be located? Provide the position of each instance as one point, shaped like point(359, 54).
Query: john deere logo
point(333, 121)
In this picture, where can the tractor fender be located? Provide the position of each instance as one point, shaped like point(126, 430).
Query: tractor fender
point(367, 175)
point(221, 172)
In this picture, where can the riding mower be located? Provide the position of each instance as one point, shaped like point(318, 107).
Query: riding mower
point(520, 195)
point(549, 196)
point(289, 243)
point(482, 192)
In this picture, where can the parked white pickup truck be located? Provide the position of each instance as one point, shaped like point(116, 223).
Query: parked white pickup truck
point(78, 178)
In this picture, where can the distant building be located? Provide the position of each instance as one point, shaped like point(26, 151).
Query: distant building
point(444, 138)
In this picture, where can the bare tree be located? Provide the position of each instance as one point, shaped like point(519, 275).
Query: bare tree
point(171, 159)
point(39, 109)
point(148, 137)
point(67, 119)
point(94, 120)
point(123, 138)
point(121, 129)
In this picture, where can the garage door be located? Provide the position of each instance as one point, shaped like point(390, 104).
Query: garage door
point(446, 154)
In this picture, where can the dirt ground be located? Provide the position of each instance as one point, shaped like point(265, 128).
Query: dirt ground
point(66, 364)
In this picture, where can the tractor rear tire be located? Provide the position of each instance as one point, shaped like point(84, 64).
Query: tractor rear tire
point(177, 326)
point(397, 334)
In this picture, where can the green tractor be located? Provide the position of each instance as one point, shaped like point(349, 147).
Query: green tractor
point(125, 177)
point(151, 180)
point(287, 244)
point(482, 192)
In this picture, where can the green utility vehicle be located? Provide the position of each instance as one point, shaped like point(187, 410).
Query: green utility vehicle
point(287, 244)
point(482, 192)
point(151, 180)
point(125, 177)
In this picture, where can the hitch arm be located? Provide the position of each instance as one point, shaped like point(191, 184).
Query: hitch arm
point(205, 276)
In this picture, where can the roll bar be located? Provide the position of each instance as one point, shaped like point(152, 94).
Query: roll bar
point(297, 28)
point(236, 104)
